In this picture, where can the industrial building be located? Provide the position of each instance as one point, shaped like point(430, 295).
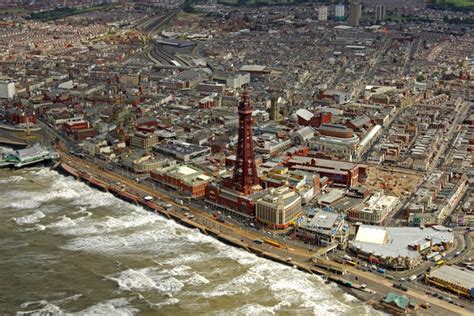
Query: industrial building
point(279, 208)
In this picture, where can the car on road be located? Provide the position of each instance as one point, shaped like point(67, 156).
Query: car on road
point(400, 286)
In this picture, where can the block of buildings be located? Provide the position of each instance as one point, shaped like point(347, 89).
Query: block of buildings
point(183, 151)
point(323, 228)
point(375, 209)
point(182, 178)
point(7, 89)
point(453, 279)
point(143, 140)
point(398, 248)
point(279, 208)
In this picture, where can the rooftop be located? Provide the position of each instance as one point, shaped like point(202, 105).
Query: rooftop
point(394, 241)
point(454, 275)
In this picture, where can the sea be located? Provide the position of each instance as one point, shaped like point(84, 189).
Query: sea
point(68, 249)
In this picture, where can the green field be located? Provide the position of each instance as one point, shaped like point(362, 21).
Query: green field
point(457, 3)
point(63, 12)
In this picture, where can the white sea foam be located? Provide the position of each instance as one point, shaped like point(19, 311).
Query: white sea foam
point(74, 297)
point(12, 179)
point(196, 279)
point(180, 271)
point(22, 204)
point(29, 219)
point(131, 230)
point(350, 298)
point(116, 307)
point(65, 222)
point(147, 279)
point(167, 302)
point(242, 257)
point(188, 258)
point(257, 309)
point(42, 307)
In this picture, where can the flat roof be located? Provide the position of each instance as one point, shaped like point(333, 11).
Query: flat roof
point(252, 68)
point(185, 170)
point(398, 240)
point(324, 219)
point(454, 275)
point(324, 163)
point(371, 234)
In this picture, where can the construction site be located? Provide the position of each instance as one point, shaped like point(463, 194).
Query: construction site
point(393, 181)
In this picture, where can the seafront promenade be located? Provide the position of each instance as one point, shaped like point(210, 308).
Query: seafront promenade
point(298, 257)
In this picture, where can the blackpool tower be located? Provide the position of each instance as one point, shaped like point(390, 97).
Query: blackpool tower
point(245, 176)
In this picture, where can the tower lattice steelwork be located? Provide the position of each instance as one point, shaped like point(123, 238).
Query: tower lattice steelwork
point(245, 171)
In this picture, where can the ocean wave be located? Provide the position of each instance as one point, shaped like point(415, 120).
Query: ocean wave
point(146, 279)
point(137, 242)
point(12, 179)
point(65, 222)
point(196, 279)
point(29, 219)
point(167, 302)
point(22, 204)
point(42, 307)
point(116, 307)
point(258, 309)
point(36, 228)
point(189, 258)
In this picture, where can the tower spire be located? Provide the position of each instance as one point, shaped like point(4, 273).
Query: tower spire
point(245, 171)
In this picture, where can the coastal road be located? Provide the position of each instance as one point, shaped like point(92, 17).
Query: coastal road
point(298, 254)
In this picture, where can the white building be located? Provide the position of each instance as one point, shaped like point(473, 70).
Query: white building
point(323, 13)
point(279, 208)
point(7, 89)
point(339, 12)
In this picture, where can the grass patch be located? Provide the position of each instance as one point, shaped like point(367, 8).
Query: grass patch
point(456, 3)
point(60, 13)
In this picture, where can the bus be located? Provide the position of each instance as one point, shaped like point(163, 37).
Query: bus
point(272, 243)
